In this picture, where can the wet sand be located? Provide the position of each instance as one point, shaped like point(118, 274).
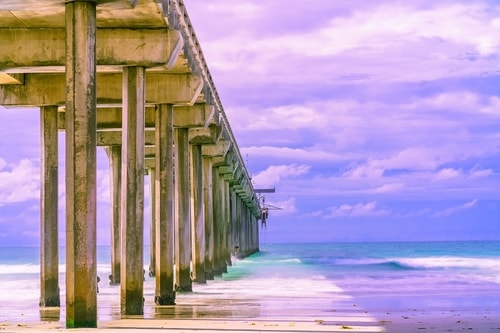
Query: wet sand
point(282, 314)
point(210, 309)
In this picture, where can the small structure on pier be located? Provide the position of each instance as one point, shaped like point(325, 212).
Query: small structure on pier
point(264, 206)
point(128, 75)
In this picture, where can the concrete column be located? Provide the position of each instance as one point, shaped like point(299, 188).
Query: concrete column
point(223, 224)
point(183, 242)
point(218, 223)
point(152, 229)
point(243, 230)
point(81, 277)
point(132, 269)
point(198, 215)
point(209, 217)
point(234, 225)
point(164, 291)
point(115, 174)
point(255, 223)
point(49, 255)
point(227, 222)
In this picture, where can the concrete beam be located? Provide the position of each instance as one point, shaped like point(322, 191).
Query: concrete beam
point(226, 169)
point(219, 149)
point(14, 5)
point(204, 136)
point(196, 116)
point(11, 78)
point(114, 138)
point(50, 89)
point(27, 50)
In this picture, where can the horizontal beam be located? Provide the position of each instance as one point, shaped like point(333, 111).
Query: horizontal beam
point(43, 50)
point(114, 138)
point(220, 149)
point(187, 117)
point(16, 5)
point(204, 135)
point(50, 89)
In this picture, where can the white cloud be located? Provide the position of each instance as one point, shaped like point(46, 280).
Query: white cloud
point(275, 173)
point(476, 173)
point(392, 42)
point(282, 207)
point(388, 188)
point(447, 173)
point(457, 209)
point(304, 154)
point(357, 210)
point(19, 183)
point(240, 8)
point(103, 186)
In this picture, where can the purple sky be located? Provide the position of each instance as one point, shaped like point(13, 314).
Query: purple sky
point(374, 120)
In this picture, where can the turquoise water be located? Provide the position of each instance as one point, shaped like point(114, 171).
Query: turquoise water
point(375, 276)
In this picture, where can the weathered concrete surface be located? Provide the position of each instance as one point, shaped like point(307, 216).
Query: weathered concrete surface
point(115, 172)
point(49, 89)
point(71, 55)
point(183, 242)
point(132, 275)
point(80, 98)
point(49, 253)
point(165, 289)
point(198, 207)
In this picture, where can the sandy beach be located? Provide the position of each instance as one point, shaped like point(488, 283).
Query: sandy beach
point(194, 313)
point(416, 321)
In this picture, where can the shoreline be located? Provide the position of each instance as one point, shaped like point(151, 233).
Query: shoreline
point(194, 314)
point(397, 321)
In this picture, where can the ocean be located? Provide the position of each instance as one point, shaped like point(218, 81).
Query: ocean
point(326, 281)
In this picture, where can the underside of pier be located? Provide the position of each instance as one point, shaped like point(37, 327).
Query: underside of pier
point(130, 76)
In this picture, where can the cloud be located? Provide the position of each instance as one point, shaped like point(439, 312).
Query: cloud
point(455, 210)
point(275, 173)
point(19, 182)
point(448, 173)
point(357, 210)
point(283, 207)
point(304, 153)
point(476, 173)
point(392, 42)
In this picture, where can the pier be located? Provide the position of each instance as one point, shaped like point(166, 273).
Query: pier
point(129, 76)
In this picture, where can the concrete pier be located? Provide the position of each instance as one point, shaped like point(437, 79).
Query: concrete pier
point(115, 173)
point(164, 199)
point(128, 98)
point(183, 242)
point(132, 215)
point(198, 209)
point(152, 229)
point(209, 216)
point(81, 283)
point(49, 253)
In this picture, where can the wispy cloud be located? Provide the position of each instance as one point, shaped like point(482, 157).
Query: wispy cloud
point(455, 210)
point(358, 210)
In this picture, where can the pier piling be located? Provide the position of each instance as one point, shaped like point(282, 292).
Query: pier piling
point(128, 98)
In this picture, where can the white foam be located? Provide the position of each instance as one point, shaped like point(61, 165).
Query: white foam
point(445, 262)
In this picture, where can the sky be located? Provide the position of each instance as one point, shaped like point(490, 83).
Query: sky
point(374, 120)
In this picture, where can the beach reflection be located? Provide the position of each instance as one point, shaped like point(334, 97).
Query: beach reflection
point(50, 314)
point(201, 309)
